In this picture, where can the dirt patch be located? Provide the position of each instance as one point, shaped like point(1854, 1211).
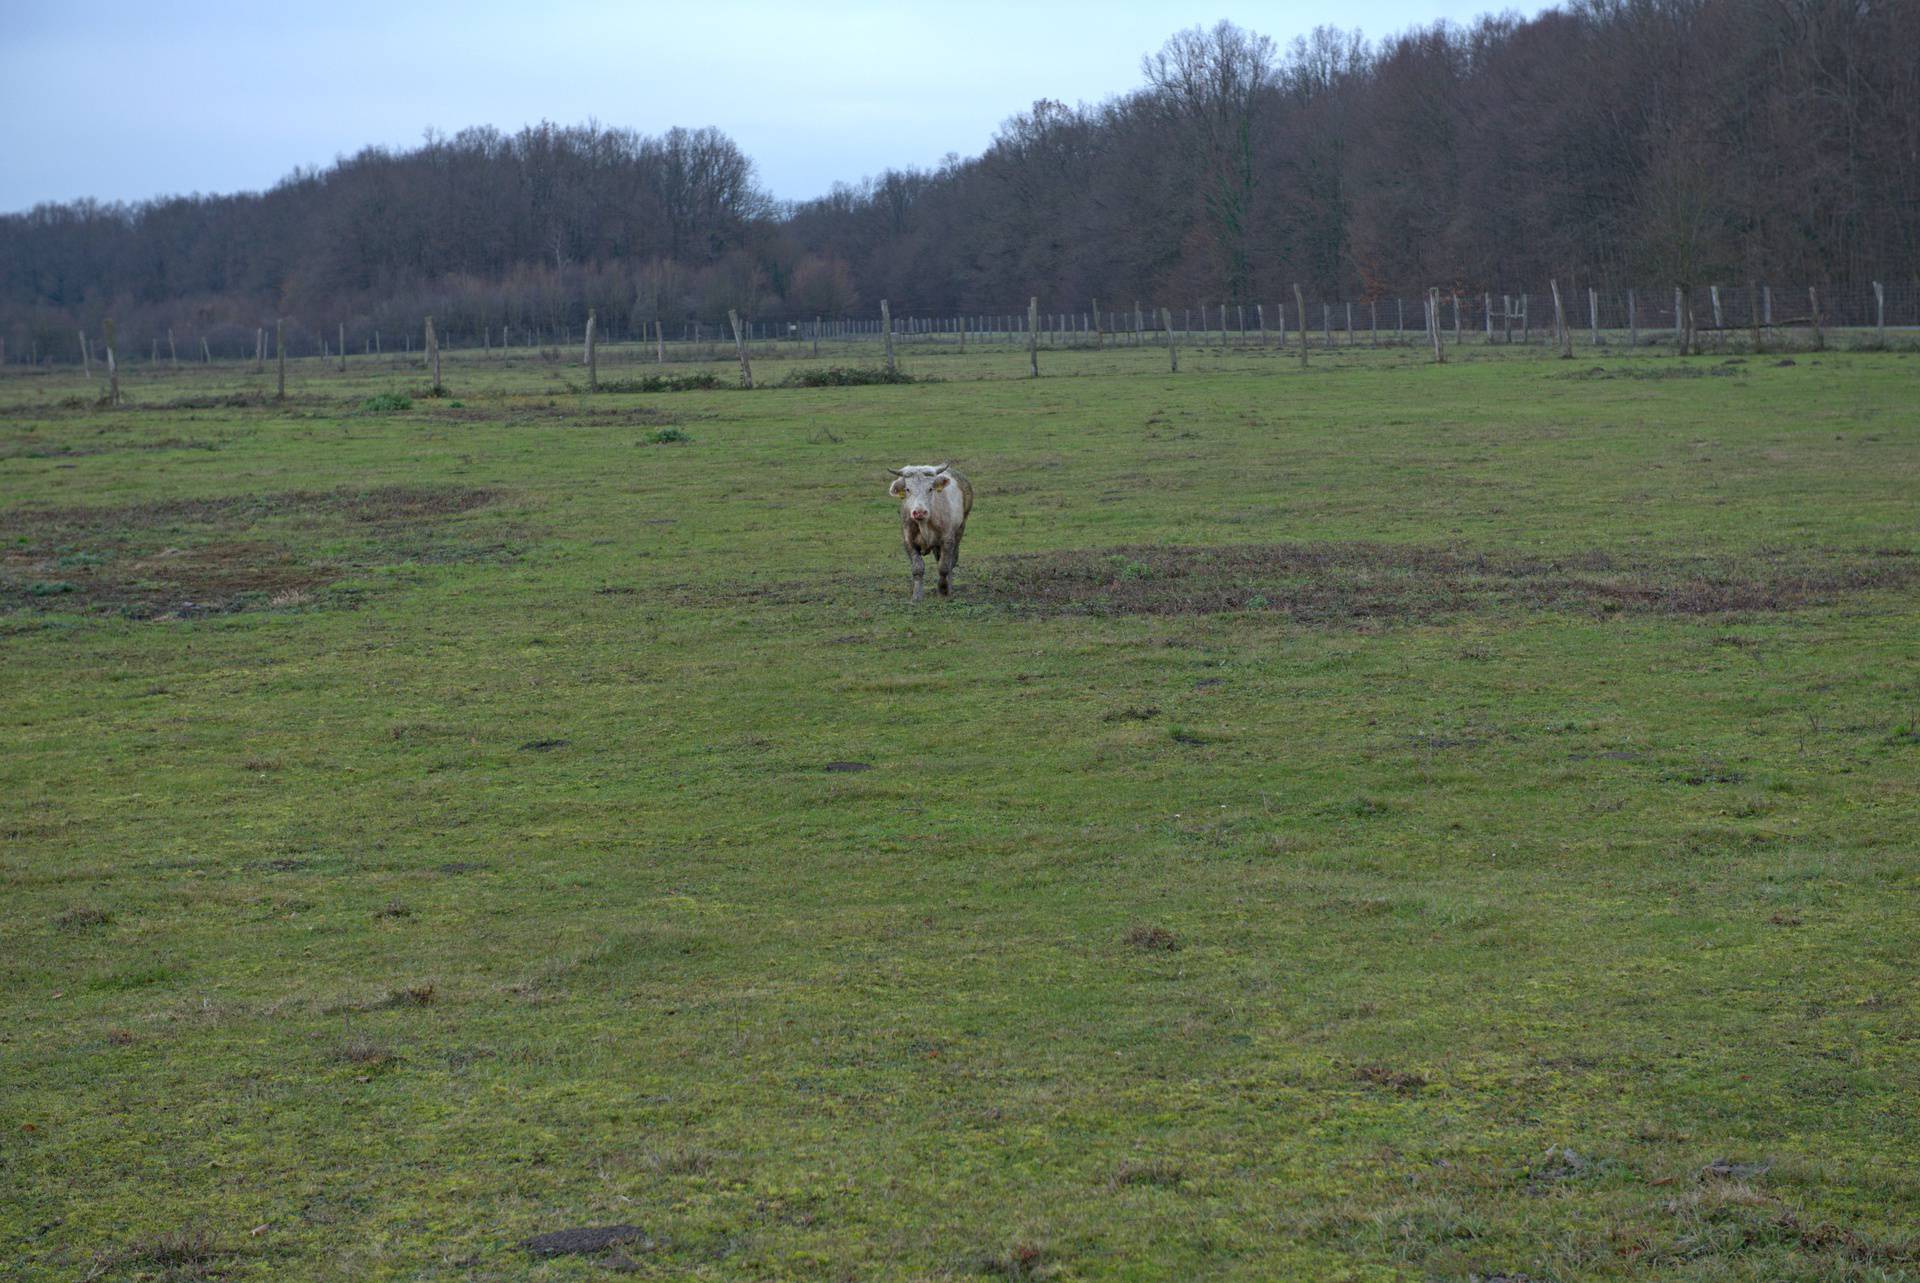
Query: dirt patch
point(1346, 583)
point(182, 558)
point(401, 505)
point(1152, 939)
point(1393, 1079)
point(213, 578)
point(583, 1241)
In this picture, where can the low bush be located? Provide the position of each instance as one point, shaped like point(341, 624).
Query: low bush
point(846, 376)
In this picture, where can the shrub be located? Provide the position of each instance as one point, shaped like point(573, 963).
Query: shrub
point(698, 382)
point(386, 403)
point(846, 376)
point(667, 436)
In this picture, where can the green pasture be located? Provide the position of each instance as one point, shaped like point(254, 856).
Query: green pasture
point(1370, 822)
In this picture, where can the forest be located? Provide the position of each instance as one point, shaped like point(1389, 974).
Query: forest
point(1605, 142)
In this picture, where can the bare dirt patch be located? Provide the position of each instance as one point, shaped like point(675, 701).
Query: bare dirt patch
point(121, 522)
point(1352, 583)
point(179, 558)
point(583, 1241)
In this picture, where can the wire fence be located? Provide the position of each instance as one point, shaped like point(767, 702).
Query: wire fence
point(1592, 316)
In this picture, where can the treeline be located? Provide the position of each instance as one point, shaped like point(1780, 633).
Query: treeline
point(1610, 142)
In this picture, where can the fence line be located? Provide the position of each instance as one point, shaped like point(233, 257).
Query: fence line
point(1591, 317)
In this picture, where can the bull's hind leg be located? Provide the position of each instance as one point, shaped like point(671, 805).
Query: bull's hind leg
point(919, 570)
point(949, 558)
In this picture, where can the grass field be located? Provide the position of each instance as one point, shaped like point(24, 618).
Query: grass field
point(1381, 821)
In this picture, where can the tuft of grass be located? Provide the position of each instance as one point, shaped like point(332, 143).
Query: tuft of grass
point(83, 917)
point(406, 996)
point(175, 1256)
point(1018, 1262)
point(386, 403)
point(681, 1160)
point(1157, 1172)
point(365, 1054)
point(667, 436)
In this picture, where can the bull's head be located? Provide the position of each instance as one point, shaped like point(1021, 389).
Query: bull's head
point(915, 487)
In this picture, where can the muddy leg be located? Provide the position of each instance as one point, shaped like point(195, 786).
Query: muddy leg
point(919, 571)
point(949, 554)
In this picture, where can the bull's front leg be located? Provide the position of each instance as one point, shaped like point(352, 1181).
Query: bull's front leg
point(949, 557)
point(919, 565)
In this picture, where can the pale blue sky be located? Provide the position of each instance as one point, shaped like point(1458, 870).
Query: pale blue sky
point(122, 101)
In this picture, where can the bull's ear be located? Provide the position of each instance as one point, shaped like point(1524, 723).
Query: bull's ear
point(898, 488)
point(940, 483)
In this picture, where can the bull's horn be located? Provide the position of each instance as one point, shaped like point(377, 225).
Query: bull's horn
point(895, 472)
point(942, 468)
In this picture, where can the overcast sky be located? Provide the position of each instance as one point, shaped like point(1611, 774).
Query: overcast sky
point(122, 101)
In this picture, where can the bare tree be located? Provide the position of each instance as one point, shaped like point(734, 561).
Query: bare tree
point(1214, 82)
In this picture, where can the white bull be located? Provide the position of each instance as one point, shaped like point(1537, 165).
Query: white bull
point(934, 503)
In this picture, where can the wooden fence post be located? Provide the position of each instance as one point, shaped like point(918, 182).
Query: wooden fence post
point(1766, 304)
point(1173, 349)
point(1560, 335)
point(1349, 324)
point(86, 357)
point(1456, 320)
point(1260, 319)
point(1280, 324)
point(1033, 334)
point(1753, 315)
point(1223, 325)
point(433, 355)
point(343, 347)
point(1433, 324)
point(206, 352)
point(593, 354)
point(739, 346)
point(1300, 303)
point(1682, 317)
point(1139, 325)
point(1373, 322)
point(173, 353)
point(113, 366)
point(886, 327)
point(280, 355)
point(1593, 313)
point(1819, 334)
point(1326, 325)
point(1880, 310)
point(1713, 291)
point(1633, 323)
point(259, 349)
point(1400, 318)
